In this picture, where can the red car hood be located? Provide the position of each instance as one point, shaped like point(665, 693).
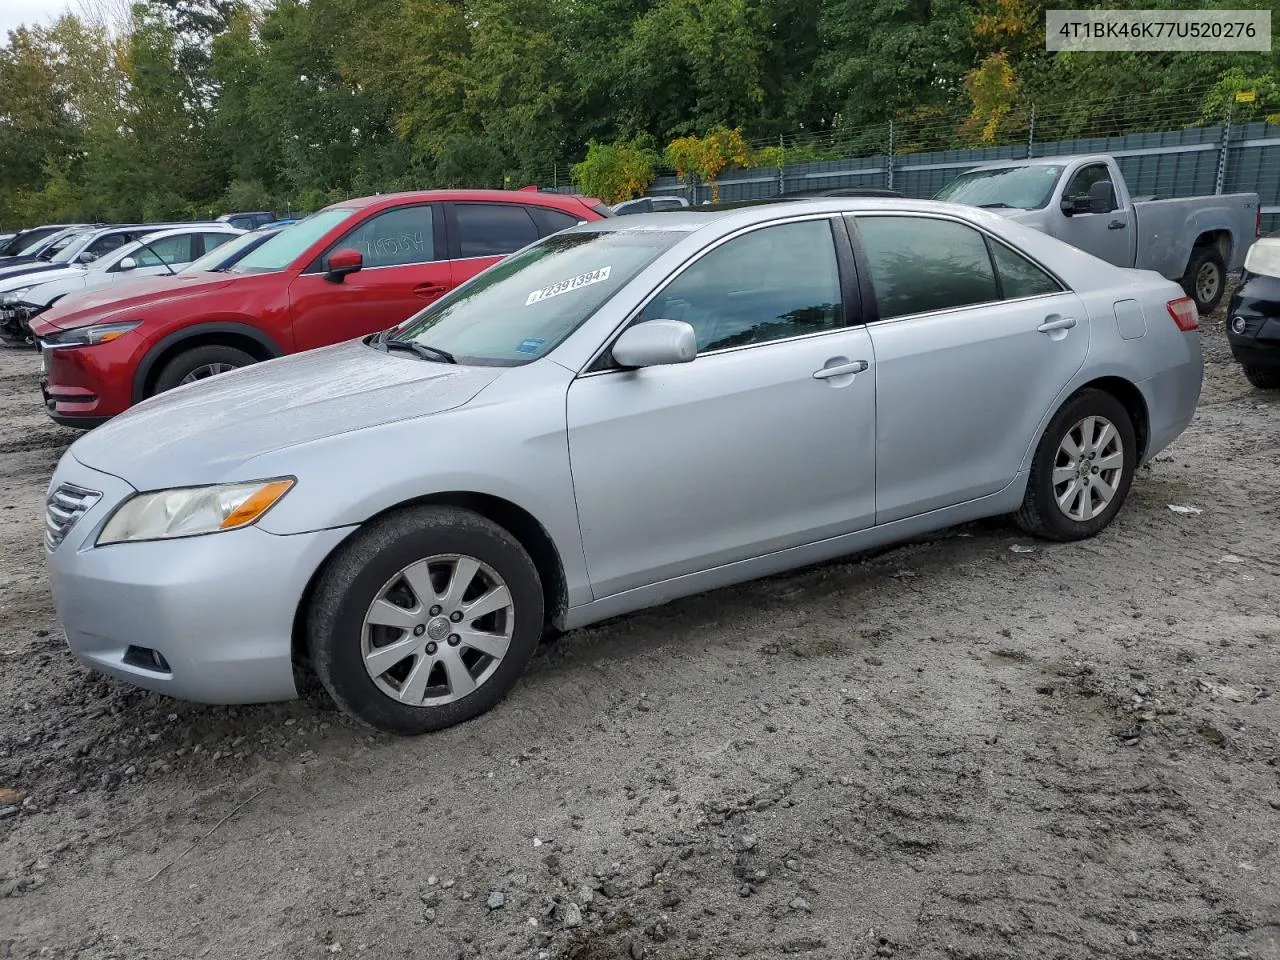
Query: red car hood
point(101, 303)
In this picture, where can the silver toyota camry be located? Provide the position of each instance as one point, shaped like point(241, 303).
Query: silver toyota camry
point(623, 413)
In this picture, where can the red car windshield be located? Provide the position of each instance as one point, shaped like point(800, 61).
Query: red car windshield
point(291, 242)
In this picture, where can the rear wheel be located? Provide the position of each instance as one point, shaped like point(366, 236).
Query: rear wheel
point(1264, 378)
point(1082, 469)
point(200, 363)
point(1206, 279)
point(425, 619)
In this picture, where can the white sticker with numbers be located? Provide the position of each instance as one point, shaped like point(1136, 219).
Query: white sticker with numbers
point(564, 286)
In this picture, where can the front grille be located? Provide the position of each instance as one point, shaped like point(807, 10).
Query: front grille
point(65, 506)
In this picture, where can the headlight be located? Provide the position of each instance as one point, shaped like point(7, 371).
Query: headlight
point(13, 296)
point(88, 336)
point(191, 511)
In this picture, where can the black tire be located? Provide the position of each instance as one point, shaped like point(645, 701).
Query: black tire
point(177, 369)
point(1264, 378)
point(1201, 256)
point(1040, 514)
point(358, 571)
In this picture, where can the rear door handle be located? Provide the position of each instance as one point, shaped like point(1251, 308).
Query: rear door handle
point(1062, 323)
point(1115, 225)
point(841, 370)
point(427, 289)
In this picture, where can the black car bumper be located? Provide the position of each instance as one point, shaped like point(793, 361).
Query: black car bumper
point(1253, 321)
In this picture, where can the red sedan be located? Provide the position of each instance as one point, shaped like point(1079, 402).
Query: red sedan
point(349, 270)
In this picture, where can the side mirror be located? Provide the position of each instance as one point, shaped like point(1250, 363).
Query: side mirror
point(128, 263)
point(342, 262)
point(1102, 197)
point(656, 343)
point(1070, 207)
point(86, 257)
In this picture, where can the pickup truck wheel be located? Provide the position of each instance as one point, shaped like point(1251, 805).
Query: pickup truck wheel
point(1082, 469)
point(1264, 378)
point(198, 363)
point(1206, 279)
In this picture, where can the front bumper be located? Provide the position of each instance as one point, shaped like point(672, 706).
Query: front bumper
point(218, 609)
point(1253, 321)
point(84, 386)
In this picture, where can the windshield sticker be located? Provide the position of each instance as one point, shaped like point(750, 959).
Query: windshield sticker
point(530, 345)
point(564, 286)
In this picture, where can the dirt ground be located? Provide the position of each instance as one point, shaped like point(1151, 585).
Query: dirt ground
point(955, 749)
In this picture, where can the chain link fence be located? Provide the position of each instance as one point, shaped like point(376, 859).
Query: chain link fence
point(1166, 147)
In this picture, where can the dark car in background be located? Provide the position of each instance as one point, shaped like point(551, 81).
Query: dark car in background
point(248, 221)
point(28, 239)
point(1253, 315)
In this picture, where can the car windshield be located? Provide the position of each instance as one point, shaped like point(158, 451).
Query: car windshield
point(286, 246)
point(523, 307)
point(233, 249)
point(1021, 188)
point(72, 250)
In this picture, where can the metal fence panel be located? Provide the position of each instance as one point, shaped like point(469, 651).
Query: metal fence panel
point(1170, 163)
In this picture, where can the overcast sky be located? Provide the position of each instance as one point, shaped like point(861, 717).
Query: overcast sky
point(15, 12)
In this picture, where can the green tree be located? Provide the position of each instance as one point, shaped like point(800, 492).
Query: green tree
point(616, 171)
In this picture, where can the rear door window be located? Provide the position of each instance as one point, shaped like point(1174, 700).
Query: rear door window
point(923, 264)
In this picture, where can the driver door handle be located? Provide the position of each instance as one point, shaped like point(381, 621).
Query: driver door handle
point(1062, 323)
point(1115, 225)
point(429, 289)
point(841, 370)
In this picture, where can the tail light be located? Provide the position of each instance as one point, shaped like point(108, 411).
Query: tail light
point(1184, 313)
point(1257, 222)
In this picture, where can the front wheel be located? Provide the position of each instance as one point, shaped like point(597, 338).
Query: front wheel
point(1082, 469)
point(1264, 378)
point(200, 363)
point(425, 619)
point(1206, 279)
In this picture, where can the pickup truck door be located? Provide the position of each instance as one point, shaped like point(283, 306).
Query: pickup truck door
point(404, 270)
point(1110, 236)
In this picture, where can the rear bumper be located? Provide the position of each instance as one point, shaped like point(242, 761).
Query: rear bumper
point(1171, 399)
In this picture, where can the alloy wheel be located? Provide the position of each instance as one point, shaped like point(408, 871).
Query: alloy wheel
point(1088, 468)
point(437, 630)
point(204, 371)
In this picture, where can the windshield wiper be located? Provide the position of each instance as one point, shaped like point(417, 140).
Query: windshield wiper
point(988, 206)
point(434, 354)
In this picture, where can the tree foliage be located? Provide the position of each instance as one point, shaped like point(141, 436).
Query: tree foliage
point(616, 171)
point(192, 107)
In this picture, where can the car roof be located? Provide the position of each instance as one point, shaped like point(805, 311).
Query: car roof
point(538, 198)
point(210, 227)
point(691, 219)
point(1041, 161)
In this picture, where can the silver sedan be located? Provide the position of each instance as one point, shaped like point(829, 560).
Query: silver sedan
point(623, 413)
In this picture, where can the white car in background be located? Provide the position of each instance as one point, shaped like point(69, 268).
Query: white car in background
point(161, 252)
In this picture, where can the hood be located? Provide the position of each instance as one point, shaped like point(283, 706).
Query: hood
point(95, 304)
point(17, 279)
point(9, 270)
point(201, 432)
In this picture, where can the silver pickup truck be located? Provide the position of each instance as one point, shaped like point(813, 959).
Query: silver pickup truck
point(1083, 200)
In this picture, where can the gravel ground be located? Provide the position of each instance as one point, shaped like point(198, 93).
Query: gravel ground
point(955, 749)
